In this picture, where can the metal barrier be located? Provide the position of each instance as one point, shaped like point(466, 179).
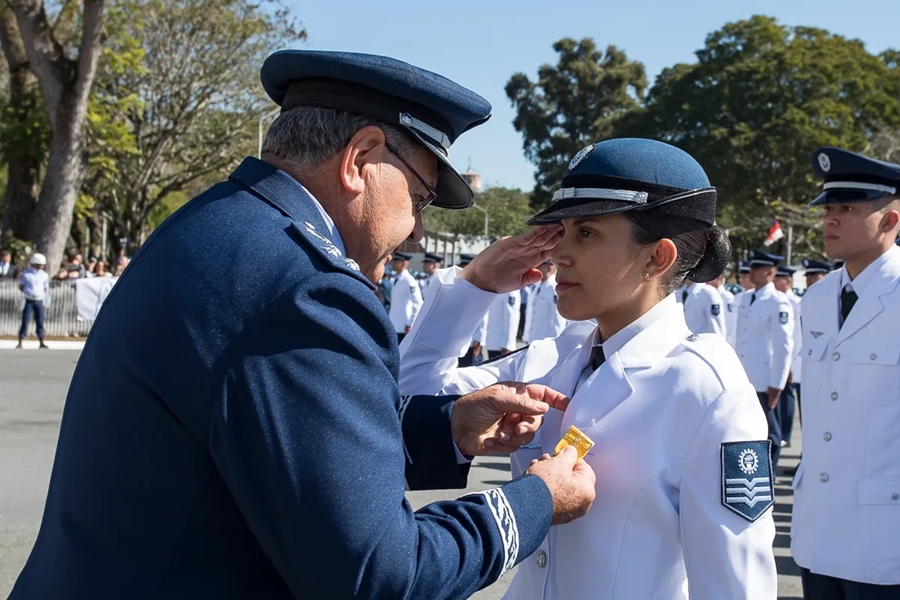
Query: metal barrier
point(60, 317)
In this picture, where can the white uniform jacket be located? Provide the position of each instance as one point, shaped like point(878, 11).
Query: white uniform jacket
point(425, 283)
point(796, 362)
point(503, 322)
point(704, 310)
point(542, 318)
point(731, 323)
point(764, 338)
point(728, 304)
point(658, 410)
point(406, 301)
point(846, 517)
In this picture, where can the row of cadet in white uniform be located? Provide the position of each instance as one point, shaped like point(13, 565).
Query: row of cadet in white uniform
point(498, 328)
point(765, 333)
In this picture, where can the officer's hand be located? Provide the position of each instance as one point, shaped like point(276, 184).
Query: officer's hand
point(504, 351)
point(509, 264)
point(571, 481)
point(408, 329)
point(476, 348)
point(774, 394)
point(501, 417)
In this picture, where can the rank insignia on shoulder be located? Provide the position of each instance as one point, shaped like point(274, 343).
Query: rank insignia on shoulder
point(716, 309)
point(748, 486)
point(783, 318)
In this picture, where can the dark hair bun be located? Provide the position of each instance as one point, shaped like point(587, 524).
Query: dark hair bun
point(715, 257)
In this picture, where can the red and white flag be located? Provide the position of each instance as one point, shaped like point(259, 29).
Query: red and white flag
point(775, 234)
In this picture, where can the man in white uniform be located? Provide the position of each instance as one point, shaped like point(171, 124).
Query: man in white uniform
point(727, 302)
point(430, 264)
point(732, 318)
point(765, 333)
point(703, 311)
point(542, 318)
point(846, 515)
point(503, 323)
point(787, 403)
point(406, 297)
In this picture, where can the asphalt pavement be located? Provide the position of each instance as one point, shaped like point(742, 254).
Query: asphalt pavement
point(33, 386)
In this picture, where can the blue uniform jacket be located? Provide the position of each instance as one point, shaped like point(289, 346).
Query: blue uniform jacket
point(234, 429)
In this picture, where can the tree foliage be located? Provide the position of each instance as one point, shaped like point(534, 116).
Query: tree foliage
point(177, 99)
point(572, 104)
point(760, 98)
point(507, 210)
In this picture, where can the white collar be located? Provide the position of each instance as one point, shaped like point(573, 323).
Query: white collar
point(618, 340)
point(329, 222)
point(862, 281)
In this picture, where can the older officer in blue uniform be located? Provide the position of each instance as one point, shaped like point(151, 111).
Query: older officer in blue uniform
point(764, 339)
point(241, 434)
point(846, 515)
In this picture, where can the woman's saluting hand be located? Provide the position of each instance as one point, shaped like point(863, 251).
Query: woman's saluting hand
point(510, 263)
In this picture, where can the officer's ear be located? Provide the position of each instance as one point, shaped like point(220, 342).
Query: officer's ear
point(891, 218)
point(363, 154)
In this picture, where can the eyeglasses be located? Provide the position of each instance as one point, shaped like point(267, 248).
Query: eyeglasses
point(425, 201)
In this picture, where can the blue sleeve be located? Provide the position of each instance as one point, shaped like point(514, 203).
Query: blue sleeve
point(431, 456)
point(308, 439)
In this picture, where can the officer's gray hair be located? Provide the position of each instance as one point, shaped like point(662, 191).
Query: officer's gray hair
point(307, 136)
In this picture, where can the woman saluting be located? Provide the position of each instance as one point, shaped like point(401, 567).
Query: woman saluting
point(684, 483)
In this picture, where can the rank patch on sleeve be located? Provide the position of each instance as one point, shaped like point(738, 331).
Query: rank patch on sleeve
point(748, 487)
point(783, 318)
point(716, 309)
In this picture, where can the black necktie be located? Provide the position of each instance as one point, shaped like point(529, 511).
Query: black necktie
point(684, 295)
point(848, 299)
point(752, 298)
point(597, 357)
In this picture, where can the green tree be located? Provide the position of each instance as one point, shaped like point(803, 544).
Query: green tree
point(759, 100)
point(572, 104)
point(65, 73)
point(507, 210)
point(176, 101)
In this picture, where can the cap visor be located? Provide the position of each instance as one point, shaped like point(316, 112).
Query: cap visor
point(563, 210)
point(452, 190)
point(839, 196)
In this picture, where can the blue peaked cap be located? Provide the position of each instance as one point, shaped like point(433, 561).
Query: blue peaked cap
point(816, 266)
point(758, 258)
point(851, 177)
point(432, 258)
point(625, 174)
point(743, 266)
point(431, 108)
point(785, 271)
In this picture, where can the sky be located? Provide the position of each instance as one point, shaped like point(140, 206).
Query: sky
point(480, 44)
